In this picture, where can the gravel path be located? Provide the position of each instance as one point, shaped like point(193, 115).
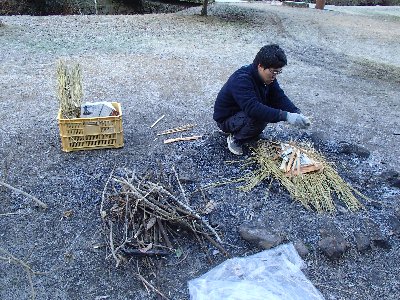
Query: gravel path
point(344, 71)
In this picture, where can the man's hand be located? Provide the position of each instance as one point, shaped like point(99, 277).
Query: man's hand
point(298, 120)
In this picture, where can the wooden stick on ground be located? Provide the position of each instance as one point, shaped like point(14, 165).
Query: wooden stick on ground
point(194, 214)
point(180, 139)
point(11, 214)
point(177, 129)
point(103, 196)
point(164, 234)
point(112, 245)
point(180, 186)
point(38, 202)
point(149, 285)
point(158, 120)
point(28, 269)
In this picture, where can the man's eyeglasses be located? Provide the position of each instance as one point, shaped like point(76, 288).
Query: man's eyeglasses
point(275, 72)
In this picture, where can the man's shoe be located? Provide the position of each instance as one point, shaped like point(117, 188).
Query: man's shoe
point(234, 146)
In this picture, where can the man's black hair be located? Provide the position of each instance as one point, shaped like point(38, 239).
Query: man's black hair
point(271, 56)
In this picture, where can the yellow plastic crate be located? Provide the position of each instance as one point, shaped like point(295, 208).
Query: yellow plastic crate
point(91, 133)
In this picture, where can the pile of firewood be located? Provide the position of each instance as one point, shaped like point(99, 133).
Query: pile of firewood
point(140, 213)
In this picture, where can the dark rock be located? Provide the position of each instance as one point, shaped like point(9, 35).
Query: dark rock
point(301, 248)
point(388, 175)
point(384, 244)
point(395, 224)
point(348, 148)
point(328, 229)
point(375, 204)
point(270, 241)
point(333, 247)
point(332, 244)
point(376, 236)
point(373, 229)
point(396, 183)
point(186, 171)
point(260, 236)
point(391, 177)
point(363, 242)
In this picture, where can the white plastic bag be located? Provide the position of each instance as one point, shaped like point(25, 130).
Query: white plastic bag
point(268, 275)
point(97, 109)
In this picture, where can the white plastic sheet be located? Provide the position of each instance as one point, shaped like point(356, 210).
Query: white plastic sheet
point(268, 275)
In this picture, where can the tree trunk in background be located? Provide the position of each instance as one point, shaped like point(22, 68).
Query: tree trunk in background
point(39, 6)
point(136, 4)
point(204, 9)
point(319, 4)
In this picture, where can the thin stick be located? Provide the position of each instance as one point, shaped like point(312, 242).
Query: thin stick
point(21, 262)
point(181, 139)
point(27, 268)
point(103, 196)
point(177, 129)
point(148, 284)
point(10, 214)
point(112, 244)
point(180, 186)
point(218, 246)
point(38, 202)
point(202, 246)
point(164, 233)
point(194, 214)
point(158, 120)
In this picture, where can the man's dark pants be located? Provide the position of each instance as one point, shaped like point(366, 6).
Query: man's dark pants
point(242, 127)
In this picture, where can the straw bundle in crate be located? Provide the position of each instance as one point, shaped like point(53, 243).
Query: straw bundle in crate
point(69, 90)
point(315, 189)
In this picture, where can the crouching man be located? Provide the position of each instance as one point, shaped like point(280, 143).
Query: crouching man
point(252, 98)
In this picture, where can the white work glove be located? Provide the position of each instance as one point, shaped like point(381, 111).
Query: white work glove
point(298, 120)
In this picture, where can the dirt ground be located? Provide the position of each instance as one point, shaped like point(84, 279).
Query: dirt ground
point(343, 71)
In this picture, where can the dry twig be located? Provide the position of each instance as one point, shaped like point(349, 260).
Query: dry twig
point(177, 129)
point(29, 271)
point(38, 202)
point(149, 285)
point(158, 120)
point(103, 195)
point(117, 260)
point(182, 139)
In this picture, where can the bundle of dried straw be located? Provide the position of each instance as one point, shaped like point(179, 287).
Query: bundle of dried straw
point(315, 190)
point(69, 90)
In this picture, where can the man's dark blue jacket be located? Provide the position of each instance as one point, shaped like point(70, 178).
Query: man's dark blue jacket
point(245, 91)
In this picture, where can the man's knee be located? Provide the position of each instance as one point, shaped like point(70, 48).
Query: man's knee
point(256, 127)
point(251, 129)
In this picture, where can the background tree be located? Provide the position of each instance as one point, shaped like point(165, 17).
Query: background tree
point(204, 8)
